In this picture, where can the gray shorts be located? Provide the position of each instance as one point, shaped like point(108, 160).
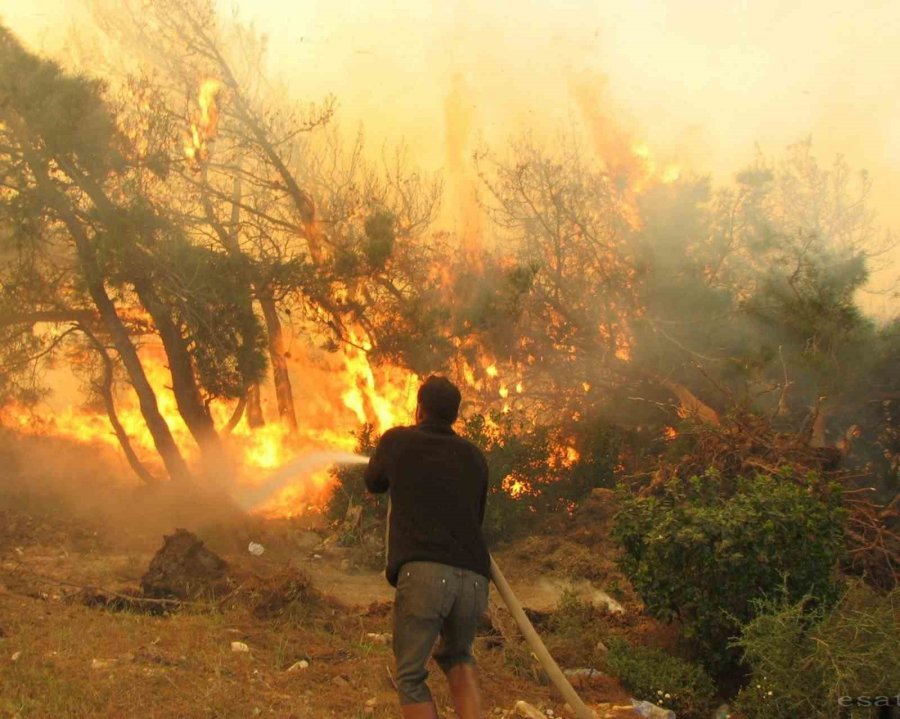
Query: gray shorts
point(434, 600)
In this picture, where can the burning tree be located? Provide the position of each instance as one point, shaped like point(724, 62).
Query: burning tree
point(249, 232)
point(98, 250)
point(58, 150)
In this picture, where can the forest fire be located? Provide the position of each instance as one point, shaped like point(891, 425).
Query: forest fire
point(204, 127)
point(280, 290)
point(256, 451)
point(235, 245)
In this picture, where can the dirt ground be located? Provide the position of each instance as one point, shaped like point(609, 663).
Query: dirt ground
point(327, 654)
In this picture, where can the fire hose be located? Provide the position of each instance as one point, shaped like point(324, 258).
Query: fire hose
point(537, 645)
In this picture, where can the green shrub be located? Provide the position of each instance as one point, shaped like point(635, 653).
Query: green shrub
point(662, 679)
point(701, 554)
point(518, 451)
point(350, 491)
point(573, 632)
point(804, 657)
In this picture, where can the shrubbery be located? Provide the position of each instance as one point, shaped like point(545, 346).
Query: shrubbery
point(350, 490)
point(662, 679)
point(358, 516)
point(574, 631)
point(804, 658)
point(703, 552)
point(516, 451)
point(533, 458)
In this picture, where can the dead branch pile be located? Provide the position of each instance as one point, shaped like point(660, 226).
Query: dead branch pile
point(287, 594)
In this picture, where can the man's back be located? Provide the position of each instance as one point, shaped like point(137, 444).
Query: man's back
point(438, 485)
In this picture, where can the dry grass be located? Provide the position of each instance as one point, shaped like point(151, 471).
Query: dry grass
point(77, 661)
point(82, 662)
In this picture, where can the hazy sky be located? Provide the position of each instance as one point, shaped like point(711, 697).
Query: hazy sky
point(701, 82)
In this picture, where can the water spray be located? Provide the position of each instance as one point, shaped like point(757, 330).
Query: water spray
point(305, 464)
point(319, 460)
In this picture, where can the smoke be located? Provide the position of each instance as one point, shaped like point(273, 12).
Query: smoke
point(299, 468)
point(679, 82)
point(702, 84)
point(85, 492)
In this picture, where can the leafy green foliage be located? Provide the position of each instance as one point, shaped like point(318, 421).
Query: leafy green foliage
point(359, 517)
point(530, 473)
point(574, 631)
point(704, 551)
point(212, 301)
point(65, 112)
point(350, 489)
point(803, 657)
point(380, 237)
point(662, 679)
point(514, 453)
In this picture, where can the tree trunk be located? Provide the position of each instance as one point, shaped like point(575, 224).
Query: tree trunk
point(235, 416)
point(691, 405)
point(162, 437)
point(184, 384)
point(817, 436)
point(105, 388)
point(254, 408)
point(283, 391)
point(93, 276)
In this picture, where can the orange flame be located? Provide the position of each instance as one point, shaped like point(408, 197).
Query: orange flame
point(382, 397)
point(205, 127)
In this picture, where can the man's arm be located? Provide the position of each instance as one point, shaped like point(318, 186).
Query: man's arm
point(376, 471)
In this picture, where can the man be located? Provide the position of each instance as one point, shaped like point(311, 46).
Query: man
point(436, 554)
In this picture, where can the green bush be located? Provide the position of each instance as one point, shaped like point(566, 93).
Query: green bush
point(363, 532)
point(705, 550)
point(350, 490)
point(573, 631)
point(518, 451)
point(662, 679)
point(804, 657)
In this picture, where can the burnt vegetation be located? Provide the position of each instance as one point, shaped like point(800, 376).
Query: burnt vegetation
point(698, 352)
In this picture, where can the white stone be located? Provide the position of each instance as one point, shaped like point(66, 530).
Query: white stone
point(526, 711)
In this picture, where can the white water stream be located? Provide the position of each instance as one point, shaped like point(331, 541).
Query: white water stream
point(302, 466)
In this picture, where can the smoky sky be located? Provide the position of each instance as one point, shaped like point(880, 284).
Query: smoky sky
point(702, 83)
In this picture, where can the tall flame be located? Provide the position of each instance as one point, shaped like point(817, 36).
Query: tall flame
point(206, 124)
point(343, 391)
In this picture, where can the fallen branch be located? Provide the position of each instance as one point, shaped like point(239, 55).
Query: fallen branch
point(130, 598)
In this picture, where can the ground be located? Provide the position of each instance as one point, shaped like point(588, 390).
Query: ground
point(61, 658)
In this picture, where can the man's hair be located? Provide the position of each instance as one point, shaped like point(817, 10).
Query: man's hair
point(439, 399)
